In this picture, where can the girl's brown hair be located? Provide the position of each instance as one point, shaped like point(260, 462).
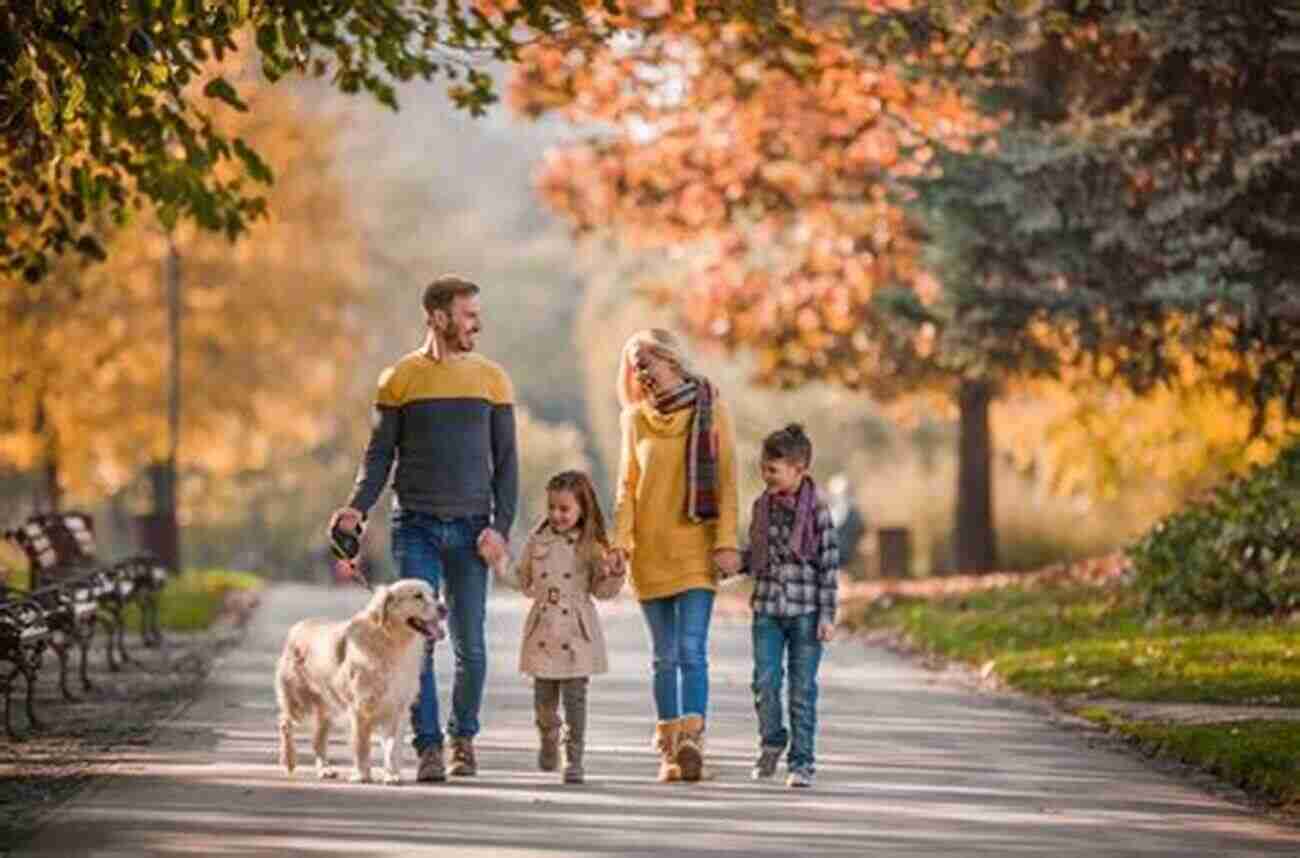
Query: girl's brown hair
point(593, 540)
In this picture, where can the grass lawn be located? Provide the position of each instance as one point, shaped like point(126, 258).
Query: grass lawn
point(1262, 757)
point(1072, 640)
point(1095, 641)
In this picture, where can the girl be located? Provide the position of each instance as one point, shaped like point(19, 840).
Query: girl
point(565, 561)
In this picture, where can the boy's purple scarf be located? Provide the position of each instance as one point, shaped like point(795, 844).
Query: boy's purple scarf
point(803, 539)
point(701, 446)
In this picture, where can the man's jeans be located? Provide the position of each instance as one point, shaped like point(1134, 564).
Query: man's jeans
point(444, 552)
point(792, 639)
point(679, 629)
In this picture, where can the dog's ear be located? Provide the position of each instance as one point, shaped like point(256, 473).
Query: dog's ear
point(379, 604)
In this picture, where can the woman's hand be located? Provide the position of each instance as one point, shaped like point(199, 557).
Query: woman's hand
point(727, 562)
point(616, 562)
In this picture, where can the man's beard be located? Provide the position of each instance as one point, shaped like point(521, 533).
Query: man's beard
point(458, 340)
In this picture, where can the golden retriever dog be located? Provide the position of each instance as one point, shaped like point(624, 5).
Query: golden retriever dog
point(366, 668)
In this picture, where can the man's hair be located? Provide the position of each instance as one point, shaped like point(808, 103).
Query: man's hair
point(790, 444)
point(439, 294)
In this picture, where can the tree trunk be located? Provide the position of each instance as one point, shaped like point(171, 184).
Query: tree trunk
point(975, 548)
point(53, 490)
point(50, 484)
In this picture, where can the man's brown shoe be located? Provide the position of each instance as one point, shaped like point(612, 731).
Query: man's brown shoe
point(463, 763)
point(431, 769)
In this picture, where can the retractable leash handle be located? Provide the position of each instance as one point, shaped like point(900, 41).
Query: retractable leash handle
point(346, 546)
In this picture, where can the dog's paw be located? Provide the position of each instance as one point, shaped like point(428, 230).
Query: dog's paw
point(390, 778)
point(327, 773)
point(359, 777)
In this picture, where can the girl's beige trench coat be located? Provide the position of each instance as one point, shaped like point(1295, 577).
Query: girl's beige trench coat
point(563, 638)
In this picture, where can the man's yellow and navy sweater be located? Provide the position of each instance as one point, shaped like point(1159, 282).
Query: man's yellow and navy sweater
point(450, 425)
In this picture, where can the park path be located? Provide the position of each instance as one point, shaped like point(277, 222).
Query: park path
point(908, 766)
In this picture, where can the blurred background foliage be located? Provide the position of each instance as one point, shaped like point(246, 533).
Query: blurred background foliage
point(821, 281)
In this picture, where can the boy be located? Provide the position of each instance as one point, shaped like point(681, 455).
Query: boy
point(795, 563)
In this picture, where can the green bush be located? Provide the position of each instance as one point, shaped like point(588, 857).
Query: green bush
point(1239, 551)
point(193, 600)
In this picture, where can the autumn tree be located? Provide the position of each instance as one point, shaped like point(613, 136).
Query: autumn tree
point(267, 327)
point(777, 178)
point(108, 106)
point(1142, 204)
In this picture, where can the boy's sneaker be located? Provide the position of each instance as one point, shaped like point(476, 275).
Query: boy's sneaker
point(431, 769)
point(800, 778)
point(765, 765)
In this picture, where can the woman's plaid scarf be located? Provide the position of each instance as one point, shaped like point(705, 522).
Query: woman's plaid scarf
point(701, 445)
point(803, 538)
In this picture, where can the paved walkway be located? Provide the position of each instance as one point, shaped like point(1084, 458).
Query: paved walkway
point(907, 766)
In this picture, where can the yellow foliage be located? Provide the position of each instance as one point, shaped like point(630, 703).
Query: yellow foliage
point(1105, 442)
point(266, 329)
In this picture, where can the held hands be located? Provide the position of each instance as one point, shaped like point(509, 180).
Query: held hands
point(727, 562)
point(618, 562)
point(826, 632)
point(492, 548)
point(614, 564)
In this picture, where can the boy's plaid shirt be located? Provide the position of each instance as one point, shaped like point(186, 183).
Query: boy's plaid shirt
point(790, 588)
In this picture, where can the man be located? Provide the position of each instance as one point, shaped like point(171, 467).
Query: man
point(446, 415)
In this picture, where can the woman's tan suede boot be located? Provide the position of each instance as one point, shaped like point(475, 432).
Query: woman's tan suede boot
point(665, 742)
point(690, 748)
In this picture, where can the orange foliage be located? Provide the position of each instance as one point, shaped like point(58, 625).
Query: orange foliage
point(774, 170)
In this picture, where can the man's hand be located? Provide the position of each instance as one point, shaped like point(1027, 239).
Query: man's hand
point(825, 632)
point(347, 518)
point(727, 562)
point(492, 548)
point(346, 570)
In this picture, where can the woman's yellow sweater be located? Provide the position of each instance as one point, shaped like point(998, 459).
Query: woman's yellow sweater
point(670, 553)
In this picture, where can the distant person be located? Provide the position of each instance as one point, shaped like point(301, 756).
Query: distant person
point(795, 563)
point(564, 563)
point(675, 522)
point(446, 415)
point(850, 526)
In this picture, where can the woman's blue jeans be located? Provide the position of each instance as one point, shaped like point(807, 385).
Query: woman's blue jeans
point(679, 630)
point(444, 553)
point(794, 641)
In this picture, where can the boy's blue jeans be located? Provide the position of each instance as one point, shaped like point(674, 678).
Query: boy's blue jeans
point(679, 630)
point(794, 641)
point(444, 552)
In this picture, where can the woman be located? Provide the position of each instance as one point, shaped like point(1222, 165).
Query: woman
point(675, 521)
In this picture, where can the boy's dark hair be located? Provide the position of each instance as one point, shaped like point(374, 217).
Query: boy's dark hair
point(790, 444)
point(439, 294)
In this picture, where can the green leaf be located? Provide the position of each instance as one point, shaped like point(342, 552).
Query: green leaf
point(221, 89)
point(89, 246)
point(268, 38)
point(253, 162)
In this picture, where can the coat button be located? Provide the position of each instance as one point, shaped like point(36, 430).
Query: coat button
point(564, 646)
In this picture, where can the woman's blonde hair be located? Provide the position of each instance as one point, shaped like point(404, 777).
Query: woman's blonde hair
point(659, 342)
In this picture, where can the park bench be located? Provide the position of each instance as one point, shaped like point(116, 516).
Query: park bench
point(62, 553)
